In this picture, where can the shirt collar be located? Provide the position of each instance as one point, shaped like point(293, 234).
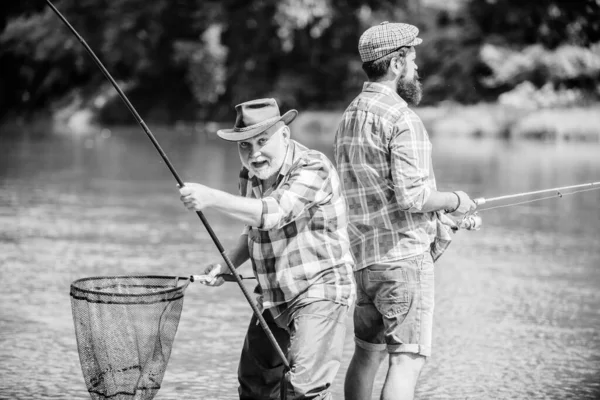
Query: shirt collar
point(376, 87)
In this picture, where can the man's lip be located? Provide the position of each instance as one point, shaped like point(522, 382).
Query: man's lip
point(259, 163)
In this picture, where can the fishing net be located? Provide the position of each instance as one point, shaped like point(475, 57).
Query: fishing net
point(125, 327)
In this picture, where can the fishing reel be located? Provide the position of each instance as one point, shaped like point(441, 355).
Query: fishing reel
point(471, 222)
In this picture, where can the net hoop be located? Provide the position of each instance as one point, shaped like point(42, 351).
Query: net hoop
point(129, 289)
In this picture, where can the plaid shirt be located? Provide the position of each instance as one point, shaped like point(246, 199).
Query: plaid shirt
point(383, 156)
point(301, 248)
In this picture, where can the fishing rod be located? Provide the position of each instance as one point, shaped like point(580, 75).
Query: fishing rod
point(473, 221)
point(163, 155)
point(481, 200)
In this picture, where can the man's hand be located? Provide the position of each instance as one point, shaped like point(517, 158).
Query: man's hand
point(466, 204)
point(196, 197)
point(210, 277)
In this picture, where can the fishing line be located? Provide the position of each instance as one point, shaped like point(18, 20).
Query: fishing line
point(163, 155)
point(472, 221)
point(558, 195)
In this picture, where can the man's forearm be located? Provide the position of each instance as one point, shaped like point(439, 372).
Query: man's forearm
point(440, 201)
point(239, 254)
point(246, 210)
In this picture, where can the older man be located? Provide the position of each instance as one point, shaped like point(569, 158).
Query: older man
point(296, 237)
point(383, 155)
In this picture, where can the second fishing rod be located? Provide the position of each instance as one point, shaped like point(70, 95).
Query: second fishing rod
point(473, 221)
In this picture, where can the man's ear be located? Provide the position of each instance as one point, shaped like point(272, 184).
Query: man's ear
point(286, 132)
point(398, 67)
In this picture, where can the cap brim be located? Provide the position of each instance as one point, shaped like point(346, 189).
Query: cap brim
point(416, 41)
point(232, 135)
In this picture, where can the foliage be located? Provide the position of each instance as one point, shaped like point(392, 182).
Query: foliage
point(194, 59)
point(542, 78)
point(527, 96)
point(549, 23)
point(539, 65)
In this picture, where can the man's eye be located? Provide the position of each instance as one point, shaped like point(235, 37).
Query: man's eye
point(243, 145)
point(262, 142)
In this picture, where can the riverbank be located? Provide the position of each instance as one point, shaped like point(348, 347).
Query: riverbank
point(484, 120)
point(446, 120)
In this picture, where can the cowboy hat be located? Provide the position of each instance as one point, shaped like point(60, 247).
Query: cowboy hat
point(254, 117)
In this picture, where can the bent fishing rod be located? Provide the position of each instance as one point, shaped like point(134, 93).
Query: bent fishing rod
point(590, 186)
point(163, 155)
point(473, 221)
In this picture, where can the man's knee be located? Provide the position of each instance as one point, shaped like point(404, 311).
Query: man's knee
point(369, 357)
point(407, 362)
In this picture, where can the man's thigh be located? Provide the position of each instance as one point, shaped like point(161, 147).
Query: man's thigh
point(260, 369)
point(318, 331)
point(395, 306)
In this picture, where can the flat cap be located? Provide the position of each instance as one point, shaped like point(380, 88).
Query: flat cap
point(380, 40)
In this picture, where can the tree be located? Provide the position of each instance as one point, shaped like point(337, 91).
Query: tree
point(546, 22)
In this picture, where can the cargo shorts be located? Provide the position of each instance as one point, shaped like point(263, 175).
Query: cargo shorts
point(312, 338)
point(394, 308)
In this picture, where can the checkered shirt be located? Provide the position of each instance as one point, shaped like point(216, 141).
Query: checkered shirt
point(380, 40)
point(301, 248)
point(383, 155)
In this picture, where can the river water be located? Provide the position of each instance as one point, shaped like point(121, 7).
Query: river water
point(517, 303)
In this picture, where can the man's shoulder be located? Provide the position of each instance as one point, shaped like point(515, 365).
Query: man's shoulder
point(306, 153)
point(409, 119)
point(305, 156)
point(381, 105)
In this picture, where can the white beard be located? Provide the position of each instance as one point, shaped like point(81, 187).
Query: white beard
point(273, 166)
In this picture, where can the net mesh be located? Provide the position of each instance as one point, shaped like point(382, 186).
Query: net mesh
point(125, 327)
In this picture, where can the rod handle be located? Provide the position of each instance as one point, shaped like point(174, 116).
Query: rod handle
point(479, 201)
point(226, 277)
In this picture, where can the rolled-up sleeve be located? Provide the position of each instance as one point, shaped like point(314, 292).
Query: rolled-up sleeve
point(410, 152)
point(307, 185)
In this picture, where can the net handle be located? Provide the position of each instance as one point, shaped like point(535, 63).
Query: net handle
point(163, 155)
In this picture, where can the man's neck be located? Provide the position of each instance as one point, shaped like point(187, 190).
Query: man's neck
point(387, 82)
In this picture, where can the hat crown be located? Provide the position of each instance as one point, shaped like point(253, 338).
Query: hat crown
point(255, 112)
point(254, 117)
point(382, 39)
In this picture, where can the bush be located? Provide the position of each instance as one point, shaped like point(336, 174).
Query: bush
point(579, 124)
point(568, 66)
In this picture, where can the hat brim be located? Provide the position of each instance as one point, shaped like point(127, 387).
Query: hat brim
point(233, 135)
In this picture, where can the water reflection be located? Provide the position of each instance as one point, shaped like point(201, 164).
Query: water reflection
point(517, 302)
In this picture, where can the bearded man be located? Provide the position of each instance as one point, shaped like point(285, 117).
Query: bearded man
point(383, 156)
point(296, 237)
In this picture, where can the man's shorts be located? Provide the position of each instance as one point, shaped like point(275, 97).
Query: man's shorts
point(394, 308)
point(312, 337)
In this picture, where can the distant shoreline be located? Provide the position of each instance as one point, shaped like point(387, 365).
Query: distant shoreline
point(484, 120)
point(448, 120)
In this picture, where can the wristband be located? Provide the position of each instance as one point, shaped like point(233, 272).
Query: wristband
point(458, 205)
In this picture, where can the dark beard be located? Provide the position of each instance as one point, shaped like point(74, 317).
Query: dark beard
point(410, 91)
